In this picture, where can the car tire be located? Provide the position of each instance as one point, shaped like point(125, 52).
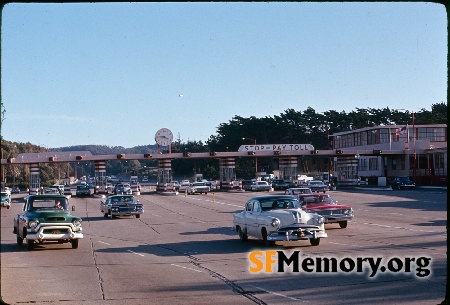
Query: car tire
point(314, 241)
point(343, 224)
point(242, 236)
point(267, 243)
point(74, 243)
point(106, 215)
point(206, 193)
point(30, 244)
point(138, 215)
point(19, 240)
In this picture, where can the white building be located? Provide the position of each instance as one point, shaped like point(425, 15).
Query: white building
point(424, 157)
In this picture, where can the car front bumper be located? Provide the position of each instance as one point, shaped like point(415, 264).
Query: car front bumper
point(54, 232)
point(293, 234)
point(5, 204)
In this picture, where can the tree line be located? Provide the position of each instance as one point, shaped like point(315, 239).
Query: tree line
point(289, 127)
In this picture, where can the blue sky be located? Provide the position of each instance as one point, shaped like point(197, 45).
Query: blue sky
point(114, 73)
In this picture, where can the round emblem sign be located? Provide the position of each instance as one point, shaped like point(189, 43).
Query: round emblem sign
point(164, 137)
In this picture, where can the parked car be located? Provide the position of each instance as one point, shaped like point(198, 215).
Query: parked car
point(47, 218)
point(279, 184)
point(327, 207)
point(317, 186)
point(5, 200)
point(198, 187)
point(260, 186)
point(402, 182)
point(83, 190)
point(15, 190)
point(121, 205)
point(122, 188)
point(278, 218)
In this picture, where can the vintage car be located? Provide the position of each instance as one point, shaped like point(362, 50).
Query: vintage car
point(198, 187)
point(51, 190)
point(317, 186)
point(297, 191)
point(121, 205)
point(47, 218)
point(6, 200)
point(279, 184)
point(184, 185)
point(122, 188)
point(402, 182)
point(260, 186)
point(278, 218)
point(327, 207)
point(15, 190)
point(83, 190)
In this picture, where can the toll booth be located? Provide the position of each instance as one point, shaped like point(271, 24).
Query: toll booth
point(100, 178)
point(164, 176)
point(66, 183)
point(227, 173)
point(35, 179)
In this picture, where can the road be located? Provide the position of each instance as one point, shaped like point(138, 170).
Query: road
point(183, 251)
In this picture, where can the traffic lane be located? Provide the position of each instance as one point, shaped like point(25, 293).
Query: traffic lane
point(208, 255)
point(412, 209)
point(51, 272)
point(129, 247)
point(367, 246)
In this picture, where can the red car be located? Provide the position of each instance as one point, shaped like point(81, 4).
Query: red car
point(326, 207)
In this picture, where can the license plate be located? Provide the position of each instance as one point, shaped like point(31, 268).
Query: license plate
point(56, 232)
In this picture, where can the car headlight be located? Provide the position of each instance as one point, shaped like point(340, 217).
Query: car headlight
point(320, 220)
point(77, 222)
point(33, 224)
point(275, 222)
point(348, 211)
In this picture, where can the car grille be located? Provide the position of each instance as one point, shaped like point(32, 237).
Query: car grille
point(55, 218)
point(331, 212)
point(55, 231)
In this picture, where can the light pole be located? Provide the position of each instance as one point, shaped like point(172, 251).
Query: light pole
point(414, 143)
point(256, 158)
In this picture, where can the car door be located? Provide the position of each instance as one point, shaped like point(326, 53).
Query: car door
point(253, 219)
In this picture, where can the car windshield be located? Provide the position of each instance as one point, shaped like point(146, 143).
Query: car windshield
point(275, 203)
point(122, 199)
point(82, 187)
point(48, 204)
point(317, 199)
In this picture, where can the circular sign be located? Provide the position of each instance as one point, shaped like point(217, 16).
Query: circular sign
point(164, 137)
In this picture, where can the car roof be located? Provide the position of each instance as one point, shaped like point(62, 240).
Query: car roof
point(47, 196)
point(269, 197)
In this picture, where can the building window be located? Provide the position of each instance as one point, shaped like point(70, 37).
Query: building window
point(439, 161)
point(432, 134)
point(384, 136)
point(373, 164)
point(362, 164)
point(394, 164)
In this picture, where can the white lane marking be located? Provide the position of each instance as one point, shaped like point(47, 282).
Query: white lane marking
point(281, 295)
point(156, 215)
point(104, 243)
point(135, 253)
point(186, 268)
point(218, 202)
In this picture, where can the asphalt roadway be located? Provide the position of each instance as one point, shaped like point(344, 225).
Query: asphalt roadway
point(183, 251)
